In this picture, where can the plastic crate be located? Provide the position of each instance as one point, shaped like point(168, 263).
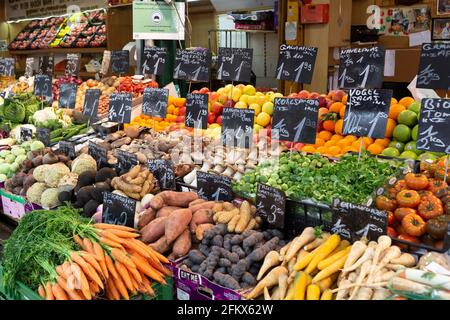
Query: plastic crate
point(15, 206)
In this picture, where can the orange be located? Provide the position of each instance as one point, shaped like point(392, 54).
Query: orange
point(336, 107)
point(328, 125)
point(179, 102)
point(319, 142)
point(343, 143)
point(390, 126)
point(337, 137)
point(394, 101)
point(338, 127)
point(357, 143)
point(342, 112)
point(383, 142)
point(321, 149)
point(406, 101)
point(350, 138)
point(176, 111)
point(170, 100)
point(330, 143)
point(309, 149)
point(375, 148)
point(325, 135)
point(334, 150)
point(344, 99)
point(349, 149)
point(395, 110)
point(367, 141)
point(170, 109)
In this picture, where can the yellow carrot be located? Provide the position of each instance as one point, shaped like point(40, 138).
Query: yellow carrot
point(305, 260)
point(313, 292)
point(327, 295)
point(332, 258)
point(302, 280)
point(324, 250)
point(331, 269)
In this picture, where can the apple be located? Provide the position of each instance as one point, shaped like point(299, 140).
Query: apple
point(204, 90)
point(219, 120)
point(222, 98)
point(337, 95)
point(217, 108)
point(322, 102)
point(229, 104)
point(180, 119)
point(298, 146)
point(211, 117)
point(304, 94)
point(313, 95)
point(195, 91)
point(182, 111)
point(213, 96)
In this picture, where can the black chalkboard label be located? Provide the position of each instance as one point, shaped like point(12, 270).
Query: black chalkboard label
point(73, 64)
point(26, 134)
point(270, 205)
point(154, 60)
point(434, 126)
point(99, 153)
point(7, 67)
point(118, 210)
point(155, 102)
point(361, 68)
point(120, 61)
point(367, 112)
point(192, 65)
point(196, 111)
point(90, 105)
point(67, 95)
point(433, 67)
point(126, 160)
point(29, 62)
point(43, 135)
point(296, 63)
point(237, 127)
point(43, 87)
point(214, 187)
point(68, 148)
point(46, 65)
point(295, 120)
point(163, 172)
point(235, 64)
point(120, 105)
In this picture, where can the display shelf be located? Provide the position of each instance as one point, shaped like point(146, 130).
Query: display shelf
point(57, 50)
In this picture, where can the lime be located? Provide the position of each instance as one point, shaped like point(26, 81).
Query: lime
point(414, 132)
point(402, 132)
point(408, 155)
point(428, 156)
point(411, 146)
point(415, 107)
point(408, 117)
point(391, 152)
point(400, 146)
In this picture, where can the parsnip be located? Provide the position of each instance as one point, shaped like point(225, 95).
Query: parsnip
point(365, 270)
point(358, 249)
point(283, 285)
point(317, 242)
point(272, 259)
point(268, 281)
point(266, 294)
point(381, 294)
point(306, 237)
point(405, 259)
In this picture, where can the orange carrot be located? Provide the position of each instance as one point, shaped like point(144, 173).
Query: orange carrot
point(41, 291)
point(106, 226)
point(79, 241)
point(112, 289)
point(94, 288)
point(124, 274)
point(110, 265)
point(87, 269)
point(59, 293)
point(147, 286)
point(158, 266)
point(48, 290)
point(141, 263)
point(160, 257)
point(133, 244)
point(121, 288)
point(89, 258)
point(110, 236)
point(124, 234)
point(73, 294)
point(60, 271)
point(122, 257)
point(100, 255)
point(110, 243)
point(135, 286)
point(135, 274)
point(88, 245)
point(81, 279)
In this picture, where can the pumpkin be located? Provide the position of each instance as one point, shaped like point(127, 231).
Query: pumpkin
point(400, 213)
point(430, 207)
point(436, 185)
point(408, 198)
point(416, 181)
point(384, 203)
point(414, 225)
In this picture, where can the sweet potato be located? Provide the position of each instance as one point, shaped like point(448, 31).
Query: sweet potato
point(145, 217)
point(166, 211)
point(182, 244)
point(176, 223)
point(154, 230)
point(195, 202)
point(199, 217)
point(173, 198)
point(161, 245)
point(204, 205)
point(201, 229)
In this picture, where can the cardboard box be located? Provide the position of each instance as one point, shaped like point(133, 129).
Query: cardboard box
point(406, 65)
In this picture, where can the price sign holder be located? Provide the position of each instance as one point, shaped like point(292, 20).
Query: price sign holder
point(126, 160)
point(43, 135)
point(118, 210)
point(29, 63)
point(91, 102)
point(120, 62)
point(192, 65)
point(120, 107)
point(271, 205)
point(154, 60)
point(235, 64)
point(67, 95)
point(46, 65)
point(214, 187)
point(73, 64)
point(99, 153)
point(237, 127)
point(196, 111)
point(296, 63)
point(163, 171)
point(43, 88)
point(68, 148)
point(26, 134)
point(155, 102)
point(433, 66)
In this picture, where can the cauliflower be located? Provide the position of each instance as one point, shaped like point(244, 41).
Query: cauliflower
point(55, 173)
point(41, 117)
point(39, 172)
point(68, 182)
point(82, 163)
point(49, 198)
point(34, 192)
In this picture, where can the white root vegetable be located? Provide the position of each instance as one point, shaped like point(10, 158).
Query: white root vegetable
point(306, 237)
point(342, 294)
point(365, 270)
point(276, 294)
point(268, 281)
point(285, 249)
point(395, 267)
point(267, 294)
point(368, 254)
point(405, 259)
point(408, 285)
point(272, 259)
point(364, 294)
point(358, 249)
point(291, 264)
point(317, 242)
point(283, 285)
point(384, 242)
point(344, 286)
point(381, 294)
point(390, 253)
point(426, 277)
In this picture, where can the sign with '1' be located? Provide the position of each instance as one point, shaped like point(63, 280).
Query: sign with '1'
point(214, 187)
point(197, 111)
point(192, 65)
point(163, 172)
point(154, 60)
point(367, 112)
point(296, 63)
point(235, 64)
point(434, 66)
point(155, 102)
point(91, 101)
point(434, 126)
point(67, 95)
point(237, 127)
point(118, 210)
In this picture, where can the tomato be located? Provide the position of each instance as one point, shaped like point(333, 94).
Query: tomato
point(384, 203)
point(400, 213)
point(430, 207)
point(436, 185)
point(391, 218)
point(408, 198)
point(414, 225)
point(391, 232)
point(416, 181)
point(399, 186)
point(408, 238)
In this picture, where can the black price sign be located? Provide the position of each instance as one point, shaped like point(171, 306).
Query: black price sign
point(295, 120)
point(361, 68)
point(155, 102)
point(67, 95)
point(91, 101)
point(367, 112)
point(237, 127)
point(118, 210)
point(43, 135)
point(235, 64)
point(433, 67)
point(192, 65)
point(73, 64)
point(126, 160)
point(68, 148)
point(43, 87)
point(99, 153)
point(434, 126)
point(7, 67)
point(46, 65)
point(120, 105)
point(163, 172)
point(154, 60)
point(26, 134)
point(296, 63)
point(214, 187)
point(354, 222)
point(270, 205)
point(29, 62)
point(120, 61)
point(196, 111)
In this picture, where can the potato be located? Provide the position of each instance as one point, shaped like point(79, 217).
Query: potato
point(154, 230)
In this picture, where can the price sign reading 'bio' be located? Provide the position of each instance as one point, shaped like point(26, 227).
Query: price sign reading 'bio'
point(120, 61)
point(270, 205)
point(163, 172)
point(91, 101)
point(433, 67)
point(73, 64)
point(120, 105)
point(214, 187)
point(367, 112)
point(237, 127)
point(235, 64)
point(155, 102)
point(296, 63)
point(126, 160)
point(43, 87)
point(118, 210)
point(67, 95)
point(154, 60)
point(43, 135)
point(361, 68)
point(46, 65)
point(295, 120)
point(434, 126)
point(192, 65)
point(196, 111)
point(99, 153)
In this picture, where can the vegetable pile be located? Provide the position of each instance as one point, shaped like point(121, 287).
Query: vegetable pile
point(19, 108)
point(136, 183)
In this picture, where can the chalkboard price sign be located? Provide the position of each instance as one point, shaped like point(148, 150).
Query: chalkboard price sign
point(67, 95)
point(342, 220)
point(433, 66)
point(154, 60)
point(120, 61)
point(43, 87)
point(192, 65)
point(155, 102)
point(99, 153)
point(91, 101)
point(197, 111)
point(235, 64)
point(26, 134)
point(7, 67)
point(237, 127)
point(296, 63)
point(270, 205)
point(120, 105)
point(295, 120)
point(73, 64)
point(361, 68)
point(126, 160)
point(434, 126)
point(43, 135)
point(46, 65)
point(29, 63)
point(367, 112)
point(118, 210)
point(68, 148)
point(214, 187)
point(163, 172)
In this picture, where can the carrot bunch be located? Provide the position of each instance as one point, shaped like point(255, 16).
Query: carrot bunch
point(113, 262)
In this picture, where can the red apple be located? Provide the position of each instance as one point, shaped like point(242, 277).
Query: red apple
point(180, 119)
point(219, 120)
point(338, 95)
point(204, 90)
point(322, 102)
point(304, 94)
point(222, 98)
point(213, 96)
point(329, 103)
point(229, 104)
point(182, 111)
point(195, 91)
point(211, 117)
point(313, 95)
point(298, 146)
point(217, 108)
